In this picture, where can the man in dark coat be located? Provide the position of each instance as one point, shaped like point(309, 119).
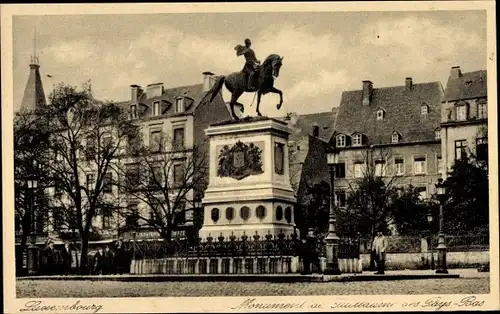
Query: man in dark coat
point(120, 258)
point(108, 261)
point(97, 262)
point(305, 256)
point(66, 259)
point(50, 259)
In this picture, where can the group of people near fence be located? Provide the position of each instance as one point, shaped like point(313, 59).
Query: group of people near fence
point(109, 259)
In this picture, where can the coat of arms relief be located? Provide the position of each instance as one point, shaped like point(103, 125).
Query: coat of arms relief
point(240, 161)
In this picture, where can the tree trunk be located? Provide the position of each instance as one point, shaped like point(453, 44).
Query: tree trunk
point(372, 257)
point(83, 257)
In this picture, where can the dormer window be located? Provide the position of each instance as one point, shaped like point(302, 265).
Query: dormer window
point(156, 108)
point(461, 109)
point(133, 111)
point(341, 140)
point(357, 139)
point(481, 110)
point(179, 104)
point(380, 114)
point(437, 134)
point(395, 137)
point(424, 109)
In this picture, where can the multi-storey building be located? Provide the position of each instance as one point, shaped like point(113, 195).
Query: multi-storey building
point(464, 117)
point(392, 130)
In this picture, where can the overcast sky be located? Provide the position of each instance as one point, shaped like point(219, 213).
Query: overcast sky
point(324, 53)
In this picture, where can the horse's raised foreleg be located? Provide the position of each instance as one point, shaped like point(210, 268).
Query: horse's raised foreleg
point(277, 91)
point(259, 94)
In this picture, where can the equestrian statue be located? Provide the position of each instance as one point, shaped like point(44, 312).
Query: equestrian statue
point(253, 78)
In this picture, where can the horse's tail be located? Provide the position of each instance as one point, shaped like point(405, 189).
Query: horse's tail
point(217, 87)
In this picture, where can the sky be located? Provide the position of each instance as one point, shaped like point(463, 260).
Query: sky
point(324, 53)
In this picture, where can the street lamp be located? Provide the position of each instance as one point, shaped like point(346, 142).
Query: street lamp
point(32, 248)
point(429, 220)
point(332, 240)
point(441, 267)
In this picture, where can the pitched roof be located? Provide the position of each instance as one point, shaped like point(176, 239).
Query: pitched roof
point(302, 125)
point(34, 96)
point(193, 94)
point(466, 85)
point(402, 113)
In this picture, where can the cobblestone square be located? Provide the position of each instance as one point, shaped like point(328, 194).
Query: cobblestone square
point(87, 289)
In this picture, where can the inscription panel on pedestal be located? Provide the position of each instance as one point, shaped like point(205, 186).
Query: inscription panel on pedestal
point(240, 160)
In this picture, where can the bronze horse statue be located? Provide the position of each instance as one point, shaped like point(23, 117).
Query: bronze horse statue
point(235, 83)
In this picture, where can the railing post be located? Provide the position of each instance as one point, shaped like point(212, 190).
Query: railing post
point(231, 264)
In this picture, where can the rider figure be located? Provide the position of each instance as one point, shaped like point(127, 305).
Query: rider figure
point(251, 64)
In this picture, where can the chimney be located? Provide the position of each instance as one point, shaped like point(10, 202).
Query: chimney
point(208, 81)
point(136, 92)
point(154, 90)
point(315, 130)
point(455, 72)
point(367, 92)
point(408, 83)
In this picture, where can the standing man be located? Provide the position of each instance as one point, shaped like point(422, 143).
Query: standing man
point(379, 248)
point(108, 261)
point(98, 262)
point(120, 258)
point(66, 259)
point(251, 63)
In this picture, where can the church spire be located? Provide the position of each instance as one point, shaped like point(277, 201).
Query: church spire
point(34, 96)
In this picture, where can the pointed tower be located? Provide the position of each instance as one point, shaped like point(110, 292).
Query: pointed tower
point(34, 96)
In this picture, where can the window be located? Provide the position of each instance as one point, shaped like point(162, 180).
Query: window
point(179, 105)
point(107, 218)
point(424, 109)
point(341, 140)
point(155, 177)
point(340, 199)
point(437, 134)
point(106, 142)
point(179, 138)
point(90, 150)
point(422, 192)
point(395, 137)
point(229, 213)
point(482, 111)
point(156, 108)
point(178, 174)
point(132, 144)
point(245, 213)
point(132, 175)
point(58, 215)
point(180, 217)
point(214, 214)
point(439, 164)
point(460, 149)
point(90, 181)
point(482, 148)
point(260, 212)
point(419, 165)
point(155, 141)
point(461, 112)
point(131, 220)
point(380, 168)
point(399, 166)
point(106, 182)
point(279, 213)
point(279, 158)
point(380, 114)
point(133, 112)
point(340, 171)
point(154, 213)
point(357, 139)
point(288, 214)
point(358, 170)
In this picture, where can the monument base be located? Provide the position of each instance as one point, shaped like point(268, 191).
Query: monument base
point(247, 229)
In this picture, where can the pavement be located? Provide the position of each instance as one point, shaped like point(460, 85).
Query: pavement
point(279, 278)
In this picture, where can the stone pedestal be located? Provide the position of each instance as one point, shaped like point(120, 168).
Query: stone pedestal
point(249, 189)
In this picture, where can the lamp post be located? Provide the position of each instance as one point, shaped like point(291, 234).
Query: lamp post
point(332, 240)
point(32, 247)
point(429, 220)
point(441, 265)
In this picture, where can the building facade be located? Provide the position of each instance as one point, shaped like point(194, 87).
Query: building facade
point(464, 118)
point(392, 131)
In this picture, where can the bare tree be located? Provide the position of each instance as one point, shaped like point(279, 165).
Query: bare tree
point(166, 177)
point(30, 153)
point(85, 143)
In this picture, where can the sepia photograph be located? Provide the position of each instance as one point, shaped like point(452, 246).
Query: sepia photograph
point(290, 157)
